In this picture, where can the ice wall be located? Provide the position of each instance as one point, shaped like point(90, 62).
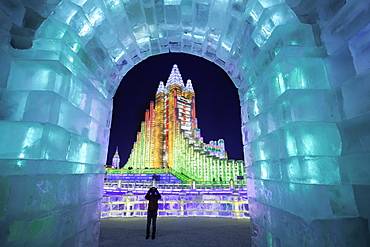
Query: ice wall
point(302, 71)
point(305, 125)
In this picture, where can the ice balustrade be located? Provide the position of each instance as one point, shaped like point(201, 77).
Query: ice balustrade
point(301, 69)
point(219, 204)
point(208, 185)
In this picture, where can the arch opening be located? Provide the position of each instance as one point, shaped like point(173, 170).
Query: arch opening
point(217, 104)
point(300, 69)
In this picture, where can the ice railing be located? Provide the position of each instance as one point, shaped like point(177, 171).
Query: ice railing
point(194, 185)
point(180, 205)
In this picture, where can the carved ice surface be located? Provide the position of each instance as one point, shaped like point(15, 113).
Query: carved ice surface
point(302, 72)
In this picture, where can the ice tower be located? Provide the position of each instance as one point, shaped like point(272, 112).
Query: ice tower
point(115, 160)
point(302, 72)
point(170, 138)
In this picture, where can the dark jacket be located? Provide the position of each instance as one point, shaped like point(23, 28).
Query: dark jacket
point(153, 196)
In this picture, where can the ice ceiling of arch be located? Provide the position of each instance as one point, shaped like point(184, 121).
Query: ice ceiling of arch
point(118, 34)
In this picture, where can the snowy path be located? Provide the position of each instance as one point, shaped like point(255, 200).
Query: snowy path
point(174, 231)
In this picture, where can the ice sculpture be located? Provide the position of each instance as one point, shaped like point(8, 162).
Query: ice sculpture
point(169, 138)
point(301, 69)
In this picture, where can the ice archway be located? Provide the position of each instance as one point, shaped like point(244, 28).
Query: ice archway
point(301, 69)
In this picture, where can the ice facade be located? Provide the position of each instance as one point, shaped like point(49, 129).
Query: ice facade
point(301, 68)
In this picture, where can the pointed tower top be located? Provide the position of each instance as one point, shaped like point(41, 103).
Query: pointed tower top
point(161, 88)
point(116, 154)
point(189, 86)
point(175, 77)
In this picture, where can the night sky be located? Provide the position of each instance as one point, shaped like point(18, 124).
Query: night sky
point(217, 102)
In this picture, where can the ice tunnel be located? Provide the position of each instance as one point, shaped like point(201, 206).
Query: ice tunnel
point(302, 72)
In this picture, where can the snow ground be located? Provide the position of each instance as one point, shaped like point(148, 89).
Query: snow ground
point(175, 232)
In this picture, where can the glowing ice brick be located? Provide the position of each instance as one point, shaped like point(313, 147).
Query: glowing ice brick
point(355, 135)
point(80, 121)
point(295, 74)
point(94, 131)
point(227, 39)
point(359, 46)
point(247, 154)
point(22, 140)
point(216, 24)
point(269, 3)
point(268, 170)
point(296, 39)
point(350, 230)
point(115, 8)
point(95, 49)
point(311, 105)
point(75, 95)
point(12, 104)
point(186, 16)
point(57, 140)
point(125, 35)
point(251, 130)
point(82, 26)
point(354, 169)
point(271, 18)
point(40, 75)
point(173, 21)
point(172, 2)
point(200, 21)
point(345, 24)
point(82, 150)
point(42, 107)
point(342, 201)
point(254, 11)
point(100, 111)
point(107, 34)
point(312, 139)
point(151, 19)
point(311, 170)
point(343, 60)
point(65, 12)
point(94, 11)
point(135, 13)
point(357, 88)
point(305, 208)
point(362, 197)
point(118, 54)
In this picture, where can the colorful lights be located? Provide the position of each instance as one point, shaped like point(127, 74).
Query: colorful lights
point(179, 202)
point(170, 138)
point(170, 153)
point(116, 160)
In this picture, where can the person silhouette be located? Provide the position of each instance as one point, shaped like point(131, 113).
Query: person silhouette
point(153, 196)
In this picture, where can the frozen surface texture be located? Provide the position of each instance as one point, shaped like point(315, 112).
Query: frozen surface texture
point(302, 71)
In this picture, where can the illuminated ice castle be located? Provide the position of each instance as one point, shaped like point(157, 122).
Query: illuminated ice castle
point(170, 138)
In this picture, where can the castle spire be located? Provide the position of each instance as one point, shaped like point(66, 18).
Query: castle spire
point(116, 160)
point(189, 86)
point(161, 88)
point(175, 77)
